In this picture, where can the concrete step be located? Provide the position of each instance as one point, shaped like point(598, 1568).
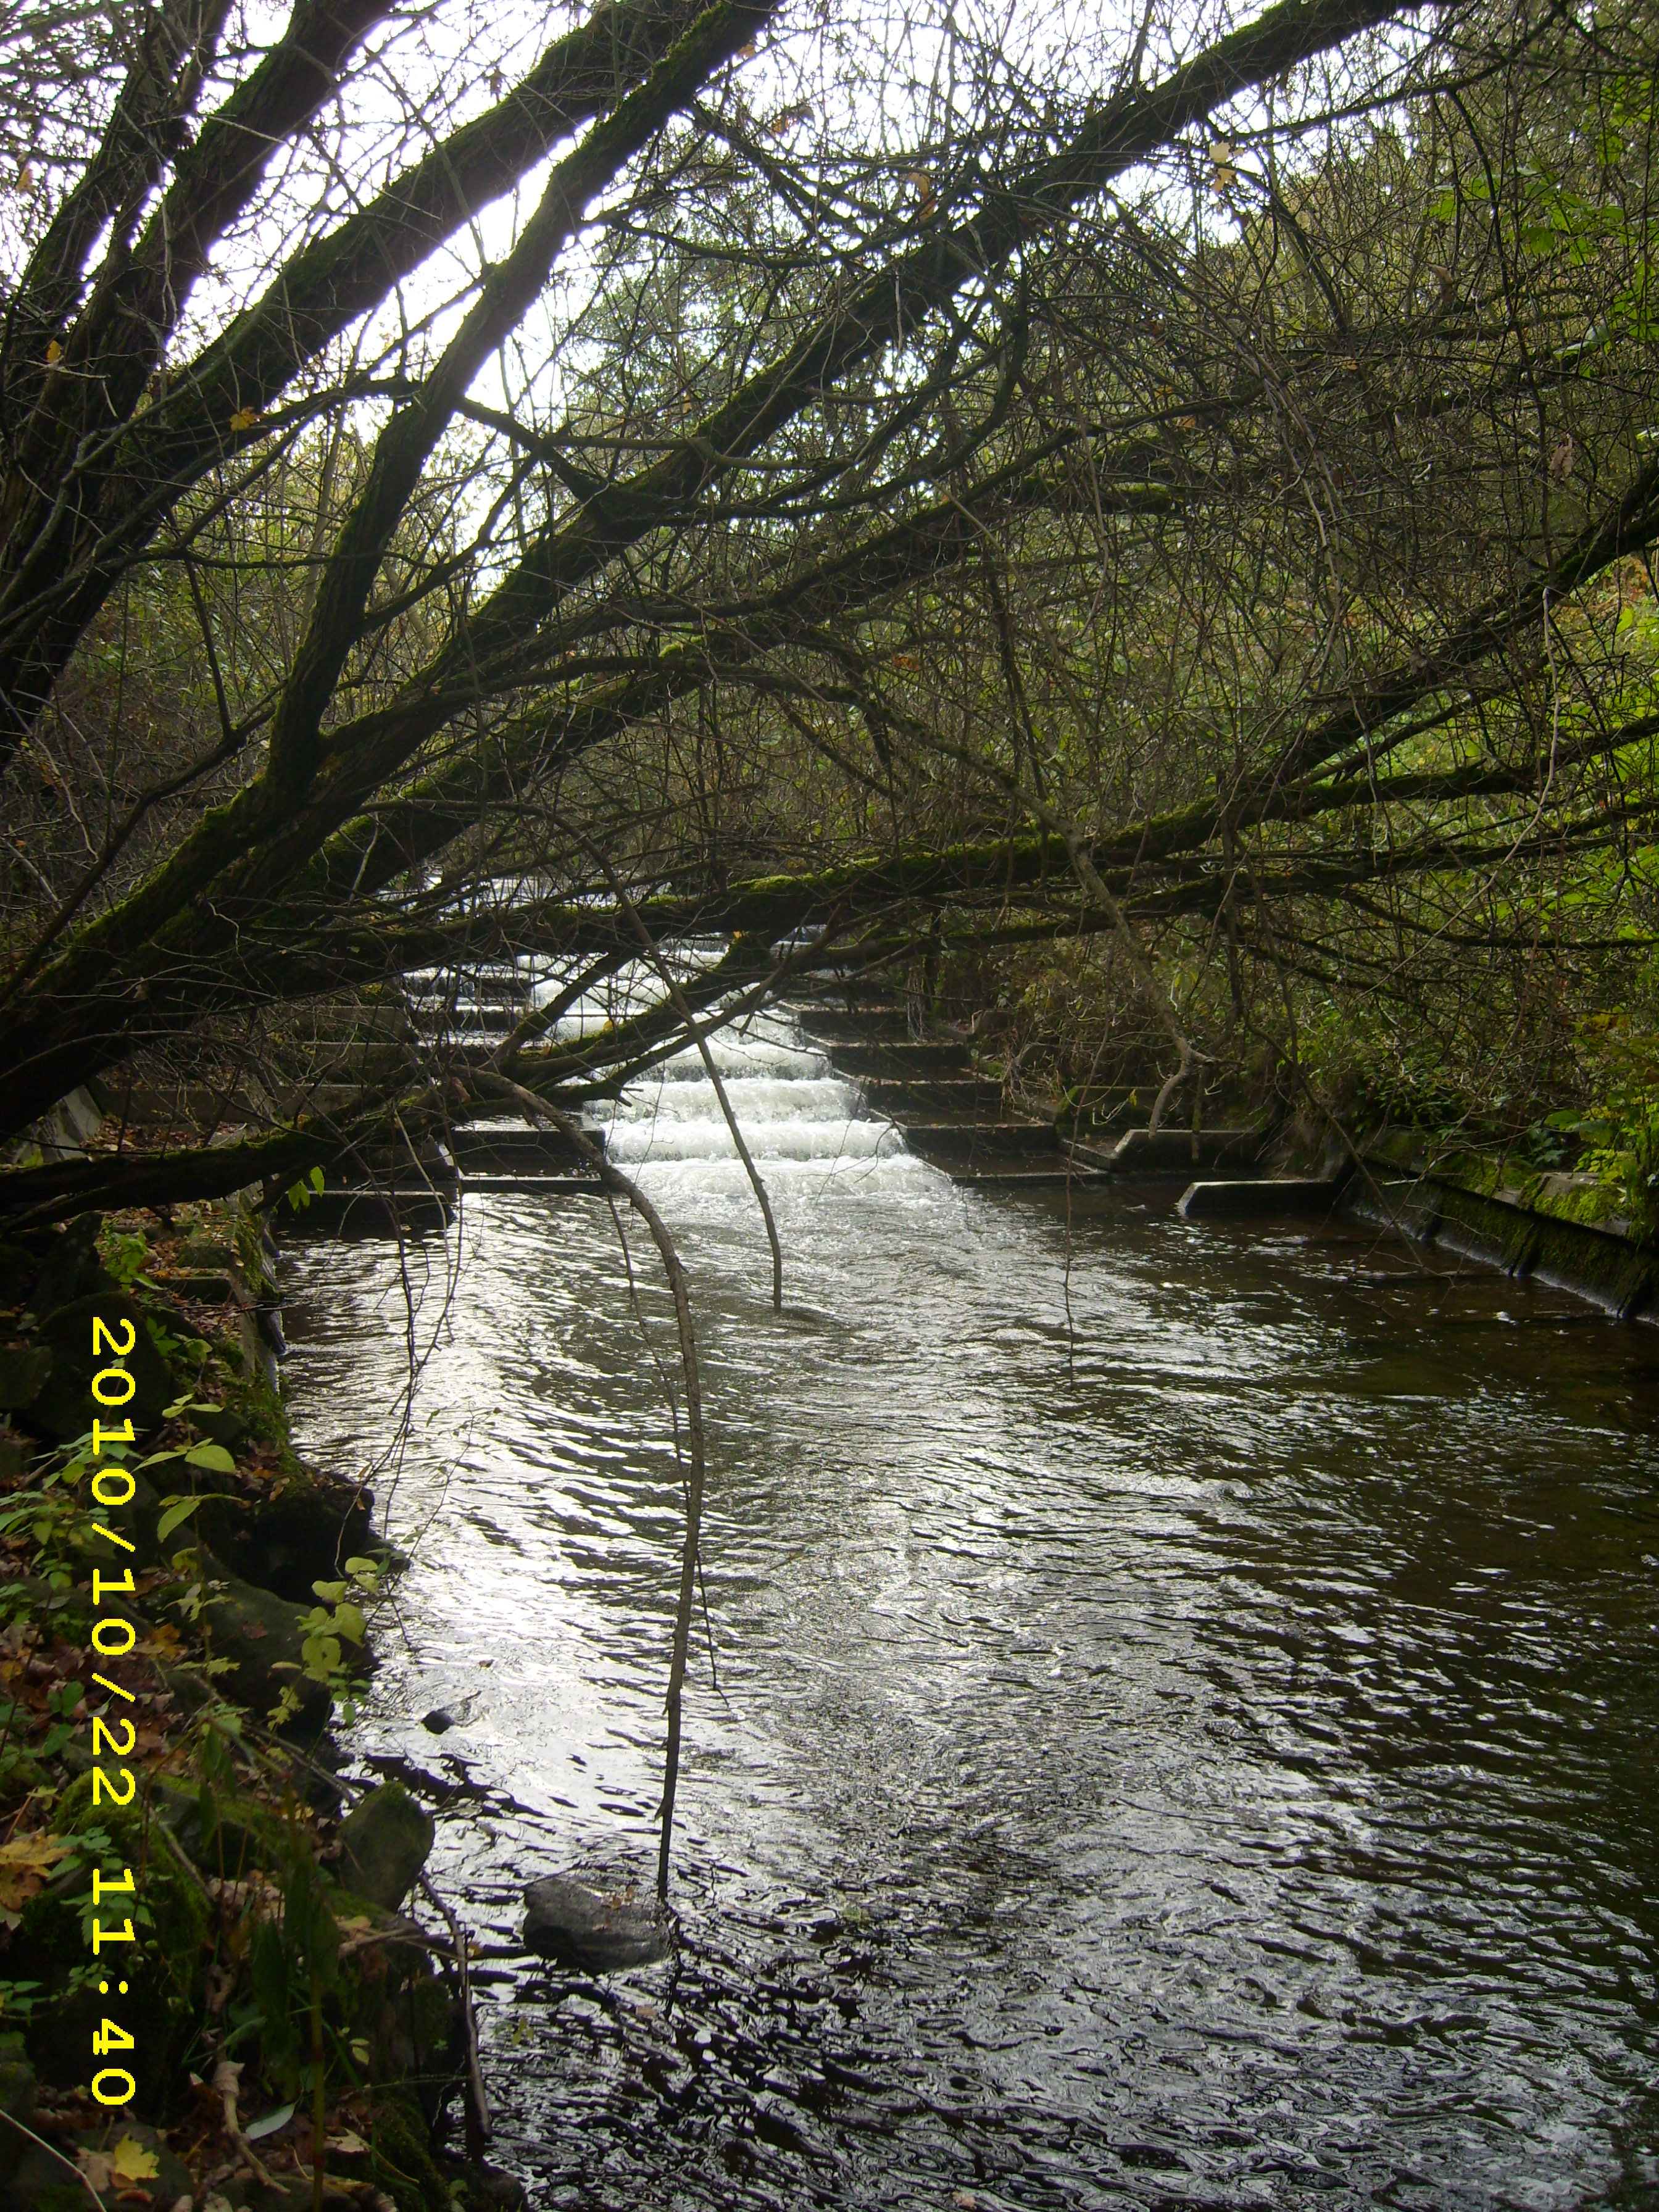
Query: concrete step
point(296, 1100)
point(1173, 1152)
point(1028, 1175)
point(488, 985)
point(978, 1141)
point(467, 1016)
point(832, 982)
point(192, 1105)
point(514, 1151)
point(343, 1210)
point(933, 1098)
point(832, 1025)
point(383, 1015)
point(908, 1062)
point(1253, 1198)
point(342, 1056)
point(535, 1186)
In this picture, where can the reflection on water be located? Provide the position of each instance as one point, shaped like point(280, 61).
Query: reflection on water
point(1199, 1755)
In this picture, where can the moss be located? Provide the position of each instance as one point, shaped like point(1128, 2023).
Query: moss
point(1614, 1271)
point(233, 1834)
point(400, 2160)
point(404, 2008)
point(300, 1531)
point(251, 1394)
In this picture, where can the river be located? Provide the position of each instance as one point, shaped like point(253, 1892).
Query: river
point(1183, 1733)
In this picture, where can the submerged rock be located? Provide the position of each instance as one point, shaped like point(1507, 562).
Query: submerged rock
point(386, 1840)
point(576, 1926)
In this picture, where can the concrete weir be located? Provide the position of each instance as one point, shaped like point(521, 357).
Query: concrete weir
point(951, 1114)
point(1253, 1198)
point(929, 1089)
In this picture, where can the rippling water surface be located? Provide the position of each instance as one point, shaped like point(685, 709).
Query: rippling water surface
point(1184, 1723)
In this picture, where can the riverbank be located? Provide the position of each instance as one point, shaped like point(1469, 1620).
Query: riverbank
point(278, 1994)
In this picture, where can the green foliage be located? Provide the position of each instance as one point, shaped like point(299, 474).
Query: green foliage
point(298, 1195)
point(329, 1626)
point(293, 1964)
point(1617, 1133)
point(58, 1524)
point(125, 1255)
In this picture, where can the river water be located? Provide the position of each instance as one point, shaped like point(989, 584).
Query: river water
point(1183, 1733)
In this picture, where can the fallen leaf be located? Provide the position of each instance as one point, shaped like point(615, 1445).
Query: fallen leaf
point(24, 1863)
point(269, 2124)
point(95, 2166)
point(132, 2162)
point(352, 2145)
point(244, 418)
point(54, 353)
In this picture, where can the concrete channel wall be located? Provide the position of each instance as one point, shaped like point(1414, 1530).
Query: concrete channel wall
point(1502, 1230)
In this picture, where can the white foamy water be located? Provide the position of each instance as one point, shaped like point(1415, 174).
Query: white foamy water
point(803, 1123)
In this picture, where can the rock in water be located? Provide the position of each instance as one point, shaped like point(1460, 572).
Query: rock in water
point(577, 1927)
point(386, 1840)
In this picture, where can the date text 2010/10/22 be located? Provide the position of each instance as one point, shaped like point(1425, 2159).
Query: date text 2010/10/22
point(113, 1636)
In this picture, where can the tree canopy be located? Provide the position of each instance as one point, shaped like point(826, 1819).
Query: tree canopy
point(1172, 496)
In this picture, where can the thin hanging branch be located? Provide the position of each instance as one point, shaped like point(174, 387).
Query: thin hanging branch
point(474, 2104)
point(612, 1178)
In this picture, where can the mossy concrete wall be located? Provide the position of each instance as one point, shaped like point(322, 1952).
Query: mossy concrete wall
point(1526, 1228)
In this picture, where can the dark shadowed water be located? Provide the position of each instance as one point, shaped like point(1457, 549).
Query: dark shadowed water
point(1201, 1754)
